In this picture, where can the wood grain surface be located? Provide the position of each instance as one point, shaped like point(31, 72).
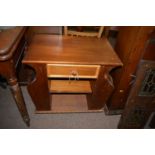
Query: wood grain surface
point(71, 50)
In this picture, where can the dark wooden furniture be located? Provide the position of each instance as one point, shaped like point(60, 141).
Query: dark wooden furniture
point(46, 29)
point(70, 65)
point(141, 101)
point(33, 30)
point(111, 31)
point(130, 47)
point(12, 43)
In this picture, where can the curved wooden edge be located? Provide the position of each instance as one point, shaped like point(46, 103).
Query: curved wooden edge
point(38, 89)
point(7, 51)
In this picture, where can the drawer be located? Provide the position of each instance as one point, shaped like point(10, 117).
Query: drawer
point(72, 71)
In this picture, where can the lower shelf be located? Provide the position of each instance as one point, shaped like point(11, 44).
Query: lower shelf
point(66, 86)
point(68, 104)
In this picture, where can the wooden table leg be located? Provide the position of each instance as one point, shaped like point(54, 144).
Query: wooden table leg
point(17, 94)
point(8, 70)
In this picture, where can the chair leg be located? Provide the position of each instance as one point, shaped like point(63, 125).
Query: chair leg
point(65, 30)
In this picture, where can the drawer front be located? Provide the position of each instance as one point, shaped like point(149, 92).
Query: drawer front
point(70, 71)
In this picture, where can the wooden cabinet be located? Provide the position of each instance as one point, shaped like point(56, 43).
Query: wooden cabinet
point(141, 101)
point(70, 65)
point(130, 46)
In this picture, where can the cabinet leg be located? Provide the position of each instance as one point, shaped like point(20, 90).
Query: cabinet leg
point(17, 94)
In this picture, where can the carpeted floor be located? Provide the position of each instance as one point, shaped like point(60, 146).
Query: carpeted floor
point(10, 117)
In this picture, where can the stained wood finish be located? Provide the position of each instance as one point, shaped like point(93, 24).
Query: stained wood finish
point(10, 52)
point(70, 103)
point(33, 30)
point(53, 56)
point(71, 71)
point(46, 29)
point(71, 50)
point(38, 88)
point(69, 86)
point(149, 53)
point(7, 69)
point(9, 40)
point(101, 89)
point(130, 47)
point(139, 106)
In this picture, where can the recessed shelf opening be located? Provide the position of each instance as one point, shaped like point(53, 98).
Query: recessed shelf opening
point(69, 103)
point(69, 86)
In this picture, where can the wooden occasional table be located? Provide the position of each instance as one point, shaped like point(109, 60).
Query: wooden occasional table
point(12, 43)
point(70, 65)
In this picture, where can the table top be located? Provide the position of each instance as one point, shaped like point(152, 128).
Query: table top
point(71, 50)
point(7, 40)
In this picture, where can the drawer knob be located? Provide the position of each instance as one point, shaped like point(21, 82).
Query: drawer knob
point(74, 74)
